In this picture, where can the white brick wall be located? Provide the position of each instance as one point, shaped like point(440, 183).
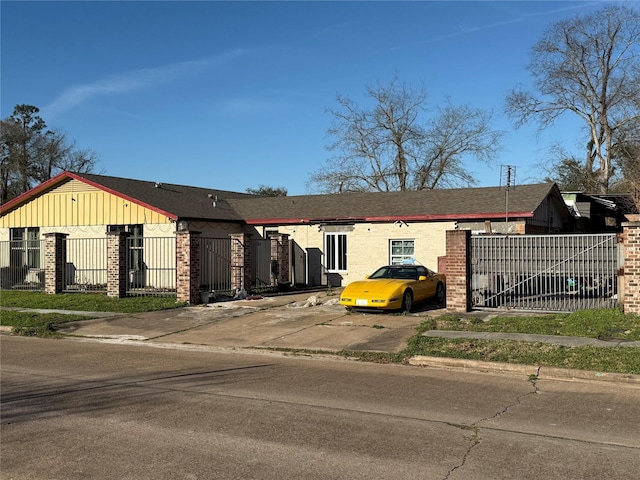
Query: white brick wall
point(368, 244)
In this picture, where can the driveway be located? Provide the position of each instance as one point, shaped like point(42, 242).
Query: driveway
point(309, 321)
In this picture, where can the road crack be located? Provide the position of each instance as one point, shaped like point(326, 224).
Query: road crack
point(474, 428)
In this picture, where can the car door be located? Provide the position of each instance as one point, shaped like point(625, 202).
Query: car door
point(428, 286)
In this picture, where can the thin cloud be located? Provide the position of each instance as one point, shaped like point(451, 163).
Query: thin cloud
point(488, 26)
point(134, 81)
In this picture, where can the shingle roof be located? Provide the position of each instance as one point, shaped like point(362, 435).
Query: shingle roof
point(174, 201)
point(463, 203)
point(180, 201)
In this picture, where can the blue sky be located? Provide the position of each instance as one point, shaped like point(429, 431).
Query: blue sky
point(231, 95)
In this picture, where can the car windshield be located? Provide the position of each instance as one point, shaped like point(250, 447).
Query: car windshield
point(403, 273)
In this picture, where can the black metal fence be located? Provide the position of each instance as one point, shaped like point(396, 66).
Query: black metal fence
point(22, 265)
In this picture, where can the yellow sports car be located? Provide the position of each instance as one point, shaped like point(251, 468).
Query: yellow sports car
point(395, 287)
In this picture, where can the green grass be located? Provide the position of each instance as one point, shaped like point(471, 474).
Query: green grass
point(36, 324)
point(604, 323)
point(89, 302)
point(598, 323)
point(612, 360)
point(601, 359)
point(43, 324)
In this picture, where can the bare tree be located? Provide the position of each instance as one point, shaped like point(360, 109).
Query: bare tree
point(628, 155)
point(396, 146)
point(588, 66)
point(31, 154)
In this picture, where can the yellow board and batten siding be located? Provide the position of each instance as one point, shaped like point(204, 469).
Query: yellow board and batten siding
point(77, 204)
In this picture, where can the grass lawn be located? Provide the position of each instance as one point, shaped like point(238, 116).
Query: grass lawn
point(42, 324)
point(602, 323)
point(88, 302)
point(597, 323)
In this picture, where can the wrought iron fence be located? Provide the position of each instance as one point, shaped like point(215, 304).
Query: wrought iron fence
point(151, 266)
point(215, 265)
point(86, 265)
point(22, 265)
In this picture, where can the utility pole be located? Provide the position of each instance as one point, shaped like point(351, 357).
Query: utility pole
point(508, 175)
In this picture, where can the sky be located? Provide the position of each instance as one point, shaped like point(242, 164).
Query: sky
point(233, 95)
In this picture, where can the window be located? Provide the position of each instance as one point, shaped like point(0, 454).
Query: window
point(335, 251)
point(402, 252)
point(25, 247)
point(136, 249)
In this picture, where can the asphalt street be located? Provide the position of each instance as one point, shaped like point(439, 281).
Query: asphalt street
point(75, 408)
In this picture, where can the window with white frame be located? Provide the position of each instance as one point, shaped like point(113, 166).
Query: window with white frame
point(401, 252)
point(335, 252)
point(25, 247)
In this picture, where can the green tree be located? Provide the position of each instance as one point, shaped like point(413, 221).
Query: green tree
point(588, 66)
point(570, 175)
point(266, 191)
point(31, 154)
point(395, 144)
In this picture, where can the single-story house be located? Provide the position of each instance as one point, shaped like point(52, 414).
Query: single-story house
point(334, 239)
point(600, 213)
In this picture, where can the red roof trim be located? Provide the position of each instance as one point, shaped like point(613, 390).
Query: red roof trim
point(23, 198)
point(391, 218)
point(125, 197)
point(59, 179)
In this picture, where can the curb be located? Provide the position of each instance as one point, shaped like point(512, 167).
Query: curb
point(539, 372)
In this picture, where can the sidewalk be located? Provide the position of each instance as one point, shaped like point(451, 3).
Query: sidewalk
point(309, 322)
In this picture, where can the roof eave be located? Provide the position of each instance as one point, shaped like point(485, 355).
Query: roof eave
point(34, 192)
point(65, 176)
point(389, 218)
point(171, 216)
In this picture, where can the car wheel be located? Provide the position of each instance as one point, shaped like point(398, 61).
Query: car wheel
point(407, 301)
point(440, 294)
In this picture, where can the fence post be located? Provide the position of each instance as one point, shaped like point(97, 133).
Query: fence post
point(631, 267)
point(280, 258)
point(117, 264)
point(55, 262)
point(188, 267)
point(241, 274)
point(458, 270)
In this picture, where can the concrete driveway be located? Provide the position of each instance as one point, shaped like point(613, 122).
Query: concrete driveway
point(310, 321)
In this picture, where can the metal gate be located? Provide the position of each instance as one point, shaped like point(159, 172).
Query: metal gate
point(561, 273)
point(215, 264)
point(261, 256)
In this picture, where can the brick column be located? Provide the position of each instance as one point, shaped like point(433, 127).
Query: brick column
point(188, 267)
point(55, 247)
point(117, 264)
point(631, 268)
point(241, 274)
point(458, 270)
point(280, 258)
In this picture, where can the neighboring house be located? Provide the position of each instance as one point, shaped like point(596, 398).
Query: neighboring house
point(600, 213)
point(334, 239)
